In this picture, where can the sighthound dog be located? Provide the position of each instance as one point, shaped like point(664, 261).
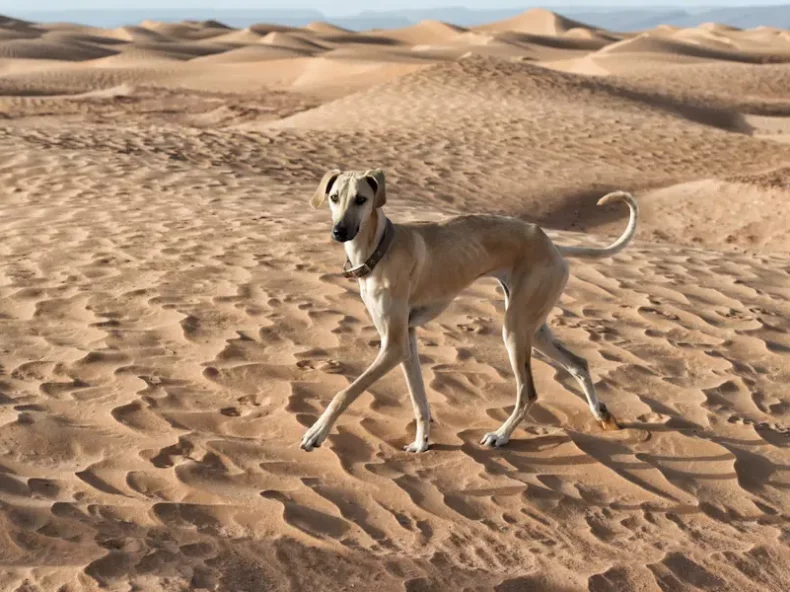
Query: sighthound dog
point(409, 273)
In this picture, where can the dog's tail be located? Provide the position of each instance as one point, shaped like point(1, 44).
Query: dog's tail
point(620, 243)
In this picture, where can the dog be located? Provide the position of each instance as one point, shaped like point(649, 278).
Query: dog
point(409, 273)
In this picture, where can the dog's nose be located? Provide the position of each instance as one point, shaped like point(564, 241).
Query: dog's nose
point(340, 232)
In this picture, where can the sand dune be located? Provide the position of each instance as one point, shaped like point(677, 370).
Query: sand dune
point(38, 49)
point(139, 34)
point(291, 41)
point(10, 34)
point(238, 37)
point(266, 28)
point(326, 29)
point(144, 56)
point(423, 33)
point(696, 45)
point(536, 21)
point(719, 27)
point(190, 30)
point(82, 36)
point(578, 40)
point(187, 49)
point(254, 53)
point(173, 314)
point(706, 37)
point(12, 23)
point(361, 39)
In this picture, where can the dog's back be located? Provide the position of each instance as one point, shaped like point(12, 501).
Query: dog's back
point(465, 248)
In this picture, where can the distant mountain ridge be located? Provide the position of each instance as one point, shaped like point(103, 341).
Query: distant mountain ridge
point(625, 20)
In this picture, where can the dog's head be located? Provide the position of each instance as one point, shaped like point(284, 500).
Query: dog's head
point(353, 197)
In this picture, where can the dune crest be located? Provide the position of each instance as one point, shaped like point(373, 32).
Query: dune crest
point(326, 29)
point(424, 32)
point(536, 21)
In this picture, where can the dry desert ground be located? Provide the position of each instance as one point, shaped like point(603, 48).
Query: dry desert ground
point(172, 314)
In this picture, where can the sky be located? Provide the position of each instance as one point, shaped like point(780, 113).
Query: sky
point(341, 7)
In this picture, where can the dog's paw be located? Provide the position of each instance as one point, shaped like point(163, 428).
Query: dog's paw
point(610, 424)
point(417, 446)
point(608, 421)
point(314, 437)
point(494, 440)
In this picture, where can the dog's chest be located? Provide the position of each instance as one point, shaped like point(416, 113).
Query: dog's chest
point(419, 315)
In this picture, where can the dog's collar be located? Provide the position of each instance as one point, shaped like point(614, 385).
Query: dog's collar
point(367, 267)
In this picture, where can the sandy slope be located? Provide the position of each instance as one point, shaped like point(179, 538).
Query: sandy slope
point(173, 317)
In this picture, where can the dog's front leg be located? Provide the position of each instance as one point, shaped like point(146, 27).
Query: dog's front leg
point(422, 411)
point(394, 349)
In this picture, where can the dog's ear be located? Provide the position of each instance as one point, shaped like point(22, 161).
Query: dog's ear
point(375, 179)
point(324, 187)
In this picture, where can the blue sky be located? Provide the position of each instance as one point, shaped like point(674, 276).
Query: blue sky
point(339, 7)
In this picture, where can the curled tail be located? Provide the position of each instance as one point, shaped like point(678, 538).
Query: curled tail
point(620, 243)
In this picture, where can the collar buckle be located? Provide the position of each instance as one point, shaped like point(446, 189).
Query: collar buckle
point(356, 272)
point(367, 267)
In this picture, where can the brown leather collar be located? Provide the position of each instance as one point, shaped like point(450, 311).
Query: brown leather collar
point(367, 267)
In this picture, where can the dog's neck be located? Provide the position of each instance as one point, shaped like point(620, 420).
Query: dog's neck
point(364, 243)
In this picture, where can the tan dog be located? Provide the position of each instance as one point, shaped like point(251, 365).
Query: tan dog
point(409, 273)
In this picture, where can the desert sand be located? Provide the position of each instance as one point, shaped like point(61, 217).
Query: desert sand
point(173, 315)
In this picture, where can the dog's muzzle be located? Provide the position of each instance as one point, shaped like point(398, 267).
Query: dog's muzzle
point(342, 234)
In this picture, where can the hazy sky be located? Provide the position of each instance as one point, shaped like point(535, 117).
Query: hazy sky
point(339, 7)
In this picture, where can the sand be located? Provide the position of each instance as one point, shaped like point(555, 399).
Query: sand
point(173, 314)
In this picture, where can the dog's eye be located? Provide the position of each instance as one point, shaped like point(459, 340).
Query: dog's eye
point(333, 198)
point(361, 199)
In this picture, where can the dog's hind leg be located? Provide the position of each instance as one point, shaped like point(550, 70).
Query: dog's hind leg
point(419, 400)
point(517, 338)
point(548, 345)
point(519, 350)
point(505, 289)
point(530, 293)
